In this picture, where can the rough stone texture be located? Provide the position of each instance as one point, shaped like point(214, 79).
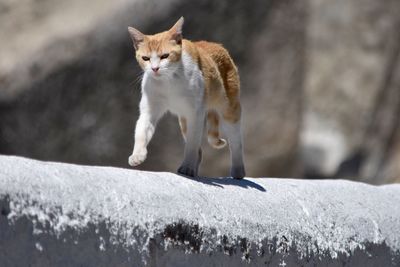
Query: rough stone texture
point(56, 214)
point(320, 83)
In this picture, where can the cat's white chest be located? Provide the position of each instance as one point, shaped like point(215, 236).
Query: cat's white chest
point(180, 98)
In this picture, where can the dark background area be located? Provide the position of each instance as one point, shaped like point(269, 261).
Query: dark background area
point(320, 83)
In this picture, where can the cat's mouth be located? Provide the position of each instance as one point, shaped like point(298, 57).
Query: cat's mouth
point(159, 74)
point(156, 74)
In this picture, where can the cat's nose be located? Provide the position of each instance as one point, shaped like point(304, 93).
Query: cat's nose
point(155, 69)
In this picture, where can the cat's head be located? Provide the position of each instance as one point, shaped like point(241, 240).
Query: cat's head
point(159, 54)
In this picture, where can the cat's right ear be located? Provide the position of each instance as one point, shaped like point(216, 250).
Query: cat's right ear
point(136, 36)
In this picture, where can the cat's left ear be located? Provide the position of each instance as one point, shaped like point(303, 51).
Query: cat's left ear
point(136, 36)
point(176, 31)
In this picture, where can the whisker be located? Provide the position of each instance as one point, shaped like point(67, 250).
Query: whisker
point(137, 79)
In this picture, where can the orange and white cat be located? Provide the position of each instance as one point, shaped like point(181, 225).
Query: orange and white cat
point(198, 82)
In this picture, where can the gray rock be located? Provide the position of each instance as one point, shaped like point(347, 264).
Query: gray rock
point(57, 214)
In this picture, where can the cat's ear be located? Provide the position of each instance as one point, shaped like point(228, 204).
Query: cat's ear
point(176, 31)
point(136, 36)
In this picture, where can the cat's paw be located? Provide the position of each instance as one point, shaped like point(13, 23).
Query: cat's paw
point(187, 170)
point(137, 158)
point(238, 172)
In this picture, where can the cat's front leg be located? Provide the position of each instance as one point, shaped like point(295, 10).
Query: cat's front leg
point(143, 134)
point(192, 153)
point(145, 127)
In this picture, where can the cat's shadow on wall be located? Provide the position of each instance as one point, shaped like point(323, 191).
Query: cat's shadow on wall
point(224, 181)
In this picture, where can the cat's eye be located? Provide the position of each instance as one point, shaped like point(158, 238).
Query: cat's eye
point(145, 58)
point(164, 56)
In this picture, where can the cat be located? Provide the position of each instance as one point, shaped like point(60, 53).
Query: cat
point(198, 82)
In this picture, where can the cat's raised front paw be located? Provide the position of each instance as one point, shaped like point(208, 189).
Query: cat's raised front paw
point(137, 158)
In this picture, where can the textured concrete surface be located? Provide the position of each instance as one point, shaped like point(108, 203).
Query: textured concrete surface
point(55, 214)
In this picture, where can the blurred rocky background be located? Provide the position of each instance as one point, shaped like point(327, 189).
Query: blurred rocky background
point(320, 83)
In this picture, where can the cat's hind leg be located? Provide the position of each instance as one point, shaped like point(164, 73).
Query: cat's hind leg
point(231, 115)
point(231, 126)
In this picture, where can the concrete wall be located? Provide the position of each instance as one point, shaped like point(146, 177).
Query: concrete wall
point(55, 214)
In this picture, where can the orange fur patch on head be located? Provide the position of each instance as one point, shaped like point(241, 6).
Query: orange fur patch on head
point(164, 43)
point(160, 44)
